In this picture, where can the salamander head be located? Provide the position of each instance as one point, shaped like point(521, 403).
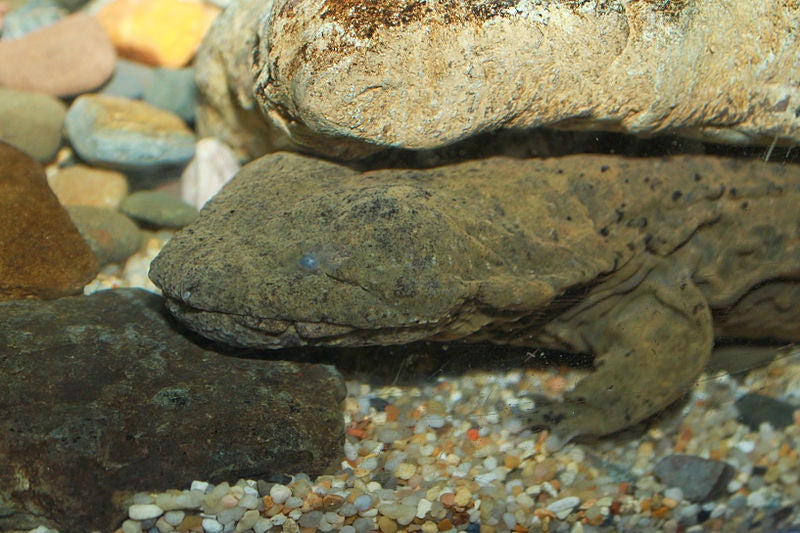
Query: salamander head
point(367, 265)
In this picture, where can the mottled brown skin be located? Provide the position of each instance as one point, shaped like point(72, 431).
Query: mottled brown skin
point(631, 260)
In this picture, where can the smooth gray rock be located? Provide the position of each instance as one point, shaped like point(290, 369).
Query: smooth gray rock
point(701, 480)
point(32, 122)
point(112, 236)
point(158, 209)
point(127, 135)
point(174, 90)
point(103, 396)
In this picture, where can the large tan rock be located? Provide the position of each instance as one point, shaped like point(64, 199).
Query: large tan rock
point(423, 74)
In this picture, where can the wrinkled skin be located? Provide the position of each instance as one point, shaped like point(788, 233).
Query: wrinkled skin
point(639, 262)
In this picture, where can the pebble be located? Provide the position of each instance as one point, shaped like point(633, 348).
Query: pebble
point(174, 90)
point(756, 409)
point(83, 185)
point(157, 32)
point(43, 255)
point(699, 479)
point(127, 134)
point(212, 166)
point(130, 80)
point(112, 236)
point(212, 526)
point(144, 511)
point(158, 209)
point(69, 57)
point(30, 16)
point(33, 122)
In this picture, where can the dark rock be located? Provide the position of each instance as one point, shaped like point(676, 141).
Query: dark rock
point(701, 480)
point(101, 394)
point(754, 409)
point(43, 255)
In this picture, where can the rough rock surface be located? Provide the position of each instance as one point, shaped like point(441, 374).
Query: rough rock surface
point(223, 72)
point(342, 77)
point(43, 255)
point(625, 259)
point(102, 393)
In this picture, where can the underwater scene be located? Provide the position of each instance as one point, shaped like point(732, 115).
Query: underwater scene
point(399, 266)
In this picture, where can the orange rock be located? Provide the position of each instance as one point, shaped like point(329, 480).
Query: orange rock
point(43, 255)
point(162, 33)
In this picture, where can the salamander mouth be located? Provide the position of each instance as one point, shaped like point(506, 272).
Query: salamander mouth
point(246, 331)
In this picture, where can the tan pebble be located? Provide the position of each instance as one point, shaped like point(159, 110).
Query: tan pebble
point(429, 527)
point(386, 524)
point(463, 497)
point(83, 185)
point(191, 524)
point(331, 502)
point(511, 461)
point(162, 33)
point(69, 57)
point(669, 503)
point(312, 502)
point(405, 471)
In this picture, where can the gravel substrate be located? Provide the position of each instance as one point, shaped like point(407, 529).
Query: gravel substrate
point(447, 453)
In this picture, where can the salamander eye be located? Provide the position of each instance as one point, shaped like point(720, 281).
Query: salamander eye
point(308, 262)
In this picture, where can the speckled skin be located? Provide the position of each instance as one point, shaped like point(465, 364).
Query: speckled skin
point(632, 260)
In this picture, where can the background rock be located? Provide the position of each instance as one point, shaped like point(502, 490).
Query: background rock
point(127, 134)
point(32, 122)
point(33, 15)
point(226, 106)
point(212, 166)
point(418, 75)
point(43, 255)
point(82, 185)
point(157, 32)
point(70, 57)
point(99, 393)
point(112, 236)
point(158, 209)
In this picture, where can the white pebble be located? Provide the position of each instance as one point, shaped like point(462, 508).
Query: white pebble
point(131, 526)
point(144, 511)
point(262, 525)
point(174, 518)
point(745, 445)
point(249, 501)
point(563, 507)
point(211, 526)
point(202, 486)
point(280, 493)
point(674, 493)
point(423, 506)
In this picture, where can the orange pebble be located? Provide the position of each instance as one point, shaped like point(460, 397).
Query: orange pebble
point(162, 33)
point(473, 434)
point(392, 412)
point(445, 525)
point(661, 512)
